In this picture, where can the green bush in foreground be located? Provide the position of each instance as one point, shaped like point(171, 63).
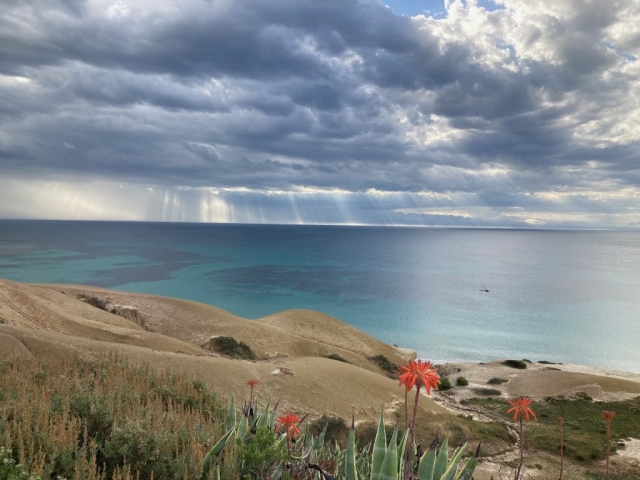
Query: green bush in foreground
point(105, 419)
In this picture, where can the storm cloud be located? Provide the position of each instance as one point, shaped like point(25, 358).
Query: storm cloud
point(314, 111)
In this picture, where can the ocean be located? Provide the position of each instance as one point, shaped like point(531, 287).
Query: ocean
point(561, 296)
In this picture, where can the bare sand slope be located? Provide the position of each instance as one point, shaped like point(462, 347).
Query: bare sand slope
point(48, 310)
point(331, 331)
point(306, 385)
point(11, 347)
point(298, 333)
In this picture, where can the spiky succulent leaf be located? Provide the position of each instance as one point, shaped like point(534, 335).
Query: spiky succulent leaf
point(243, 427)
point(379, 449)
point(401, 451)
point(350, 459)
point(319, 440)
point(209, 460)
point(467, 472)
point(389, 470)
point(453, 464)
point(263, 419)
point(442, 459)
point(231, 418)
point(427, 464)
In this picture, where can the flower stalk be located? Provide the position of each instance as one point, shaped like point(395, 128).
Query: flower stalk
point(521, 411)
point(561, 422)
point(608, 417)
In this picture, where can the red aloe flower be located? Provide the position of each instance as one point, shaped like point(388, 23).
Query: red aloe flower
point(289, 422)
point(520, 408)
point(252, 384)
point(420, 374)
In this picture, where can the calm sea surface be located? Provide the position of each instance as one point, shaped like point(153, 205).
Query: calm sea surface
point(554, 295)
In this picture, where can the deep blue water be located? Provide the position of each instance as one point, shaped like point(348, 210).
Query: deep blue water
point(562, 296)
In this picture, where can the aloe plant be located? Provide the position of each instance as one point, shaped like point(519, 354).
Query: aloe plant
point(380, 461)
point(387, 460)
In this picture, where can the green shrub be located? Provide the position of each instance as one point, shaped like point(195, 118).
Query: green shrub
point(9, 470)
point(385, 364)
point(519, 364)
point(497, 381)
point(94, 301)
point(444, 384)
point(462, 382)
point(230, 347)
point(335, 356)
point(487, 391)
point(262, 455)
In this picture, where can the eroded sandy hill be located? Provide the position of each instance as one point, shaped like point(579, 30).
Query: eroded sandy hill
point(298, 333)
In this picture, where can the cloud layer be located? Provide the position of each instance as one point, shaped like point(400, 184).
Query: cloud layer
point(308, 111)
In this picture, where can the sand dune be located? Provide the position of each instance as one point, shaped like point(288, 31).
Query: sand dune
point(288, 334)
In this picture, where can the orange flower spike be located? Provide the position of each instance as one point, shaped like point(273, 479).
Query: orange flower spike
point(401, 372)
point(406, 375)
point(253, 383)
point(420, 374)
point(520, 408)
point(429, 378)
point(289, 422)
point(608, 416)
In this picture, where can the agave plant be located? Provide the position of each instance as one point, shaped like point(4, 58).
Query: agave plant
point(312, 456)
point(387, 462)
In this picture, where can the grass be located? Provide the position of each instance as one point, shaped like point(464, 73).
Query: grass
point(106, 419)
point(584, 429)
point(230, 347)
point(385, 364)
point(519, 364)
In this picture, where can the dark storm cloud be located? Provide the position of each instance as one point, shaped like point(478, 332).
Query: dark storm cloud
point(527, 107)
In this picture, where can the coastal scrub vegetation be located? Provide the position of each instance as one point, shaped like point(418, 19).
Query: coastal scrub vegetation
point(583, 428)
point(519, 364)
point(335, 356)
point(230, 347)
point(497, 381)
point(385, 364)
point(462, 382)
point(95, 302)
point(105, 419)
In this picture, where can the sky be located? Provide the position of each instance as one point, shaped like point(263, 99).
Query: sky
point(505, 113)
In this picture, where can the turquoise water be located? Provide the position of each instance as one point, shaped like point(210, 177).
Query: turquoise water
point(561, 296)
